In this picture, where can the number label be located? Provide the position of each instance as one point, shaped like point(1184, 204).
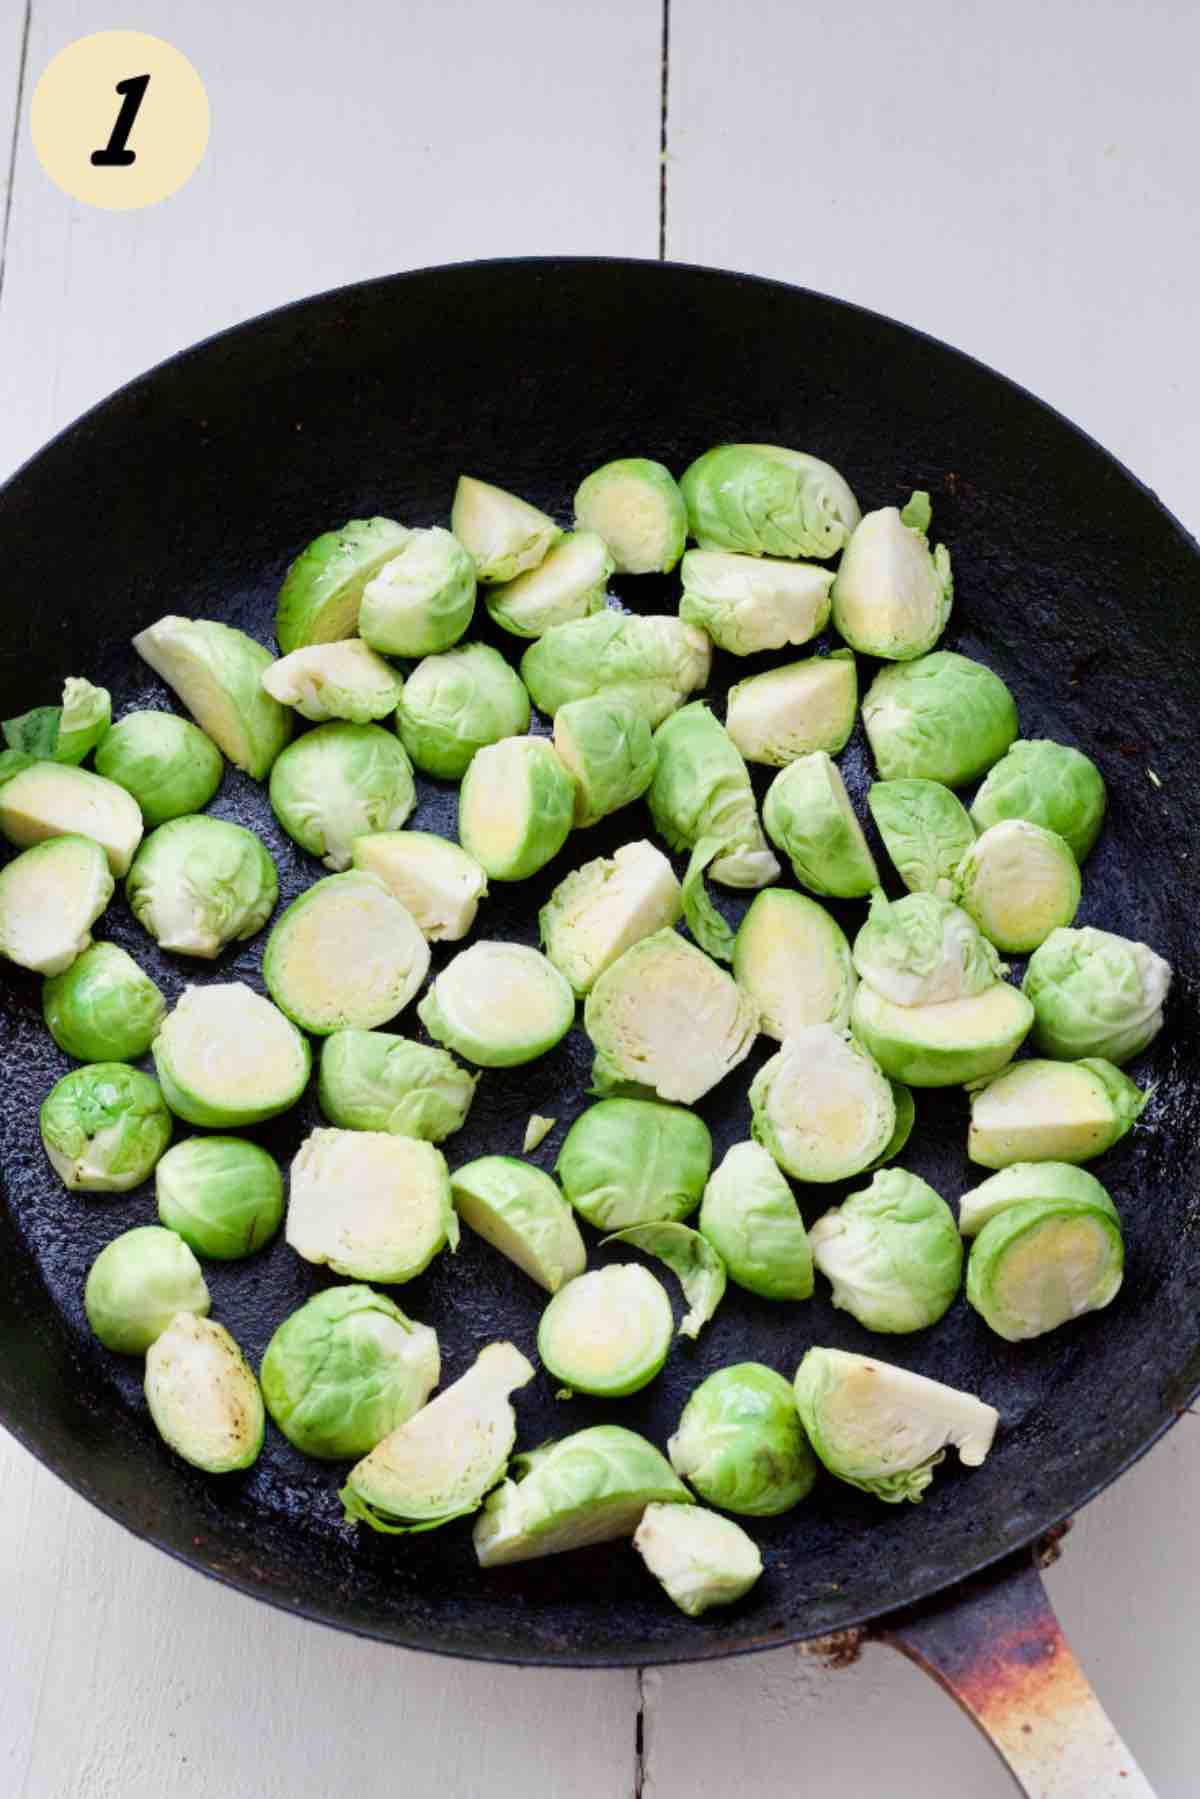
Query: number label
point(116, 153)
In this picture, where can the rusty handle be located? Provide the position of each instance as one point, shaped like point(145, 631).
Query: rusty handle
point(997, 1647)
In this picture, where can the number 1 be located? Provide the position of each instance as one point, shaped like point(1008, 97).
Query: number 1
point(115, 155)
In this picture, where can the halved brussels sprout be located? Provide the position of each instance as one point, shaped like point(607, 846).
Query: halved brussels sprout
point(739, 1442)
point(322, 590)
point(222, 1195)
point(763, 500)
point(503, 535)
point(822, 1106)
point(345, 1370)
point(793, 960)
point(748, 604)
point(808, 815)
point(751, 1218)
point(338, 782)
point(227, 1057)
point(65, 733)
point(635, 505)
point(519, 1211)
point(52, 799)
point(536, 1131)
point(884, 1429)
point(698, 1558)
point(607, 1332)
point(345, 955)
point(137, 1284)
point(945, 1045)
point(203, 1396)
point(345, 680)
point(1095, 994)
point(50, 897)
point(892, 1252)
point(689, 1256)
point(893, 594)
point(1060, 1182)
point(498, 1005)
point(923, 951)
point(591, 1487)
point(568, 584)
point(217, 672)
point(515, 807)
point(1019, 883)
point(433, 879)
point(200, 883)
point(795, 710)
point(607, 747)
point(439, 1464)
point(1042, 1263)
point(104, 1127)
point(454, 704)
point(370, 1205)
point(652, 661)
point(102, 1008)
point(374, 1081)
point(634, 1161)
point(167, 763)
point(422, 599)
point(1051, 785)
point(940, 718)
point(1039, 1111)
point(604, 908)
point(926, 830)
point(701, 794)
point(664, 1017)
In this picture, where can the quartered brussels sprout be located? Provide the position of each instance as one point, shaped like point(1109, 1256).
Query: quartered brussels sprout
point(536, 1131)
point(604, 908)
point(1095, 994)
point(793, 960)
point(698, 1558)
point(515, 807)
point(893, 594)
point(892, 1253)
point(1039, 1111)
point(652, 661)
point(203, 1396)
point(1059, 1182)
point(338, 782)
point(222, 1195)
point(227, 1057)
point(518, 1210)
point(1019, 883)
point(884, 1429)
point(345, 1370)
point(796, 710)
point(607, 1332)
point(103, 1008)
point(454, 704)
point(498, 1005)
point(763, 500)
point(52, 799)
point(570, 583)
point(440, 1463)
point(923, 951)
point(104, 1127)
point(1051, 785)
point(322, 590)
point(503, 535)
point(822, 1106)
point(634, 1161)
point(217, 672)
point(50, 897)
point(200, 883)
point(926, 830)
point(345, 680)
point(739, 1442)
point(748, 603)
point(945, 1045)
point(167, 763)
point(691, 1258)
point(808, 815)
point(665, 1018)
point(701, 794)
point(433, 879)
point(607, 747)
point(751, 1218)
point(940, 718)
point(65, 733)
point(345, 955)
point(1042, 1263)
point(422, 599)
point(370, 1205)
point(137, 1284)
point(374, 1081)
point(591, 1487)
point(636, 507)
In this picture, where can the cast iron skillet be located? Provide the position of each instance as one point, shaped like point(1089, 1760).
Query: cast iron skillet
point(191, 489)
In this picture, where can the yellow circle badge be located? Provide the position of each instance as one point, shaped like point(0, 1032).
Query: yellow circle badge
point(119, 120)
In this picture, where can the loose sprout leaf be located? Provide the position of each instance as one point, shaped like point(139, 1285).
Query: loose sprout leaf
point(917, 514)
point(687, 1254)
point(703, 920)
point(536, 1131)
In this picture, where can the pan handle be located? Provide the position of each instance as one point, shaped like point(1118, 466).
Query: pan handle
point(996, 1646)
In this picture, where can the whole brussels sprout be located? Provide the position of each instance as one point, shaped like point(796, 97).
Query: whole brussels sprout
point(607, 747)
point(336, 783)
point(515, 807)
point(422, 599)
point(103, 1008)
point(50, 897)
point(370, 1205)
point(922, 951)
point(498, 1005)
point(651, 661)
point(222, 1195)
point(634, 1161)
point(892, 1252)
point(1049, 784)
point(504, 536)
point(740, 1442)
point(344, 955)
point(227, 1057)
point(796, 710)
point(1095, 994)
point(167, 763)
point(792, 958)
point(698, 1558)
point(635, 505)
point(940, 718)
point(604, 908)
point(137, 1284)
point(893, 594)
point(200, 883)
point(104, 1127)
point(607, 1332)
point(519, 1210)
point(763, 500)
point(822, 1106)
point(51, 799)
point(1019, 883)
point(751, 1218)
point(217, 672)
point(748, 604)
point(1043, 1263)
point(65, 733)
point(569, 584)
point(345, 680)
point(197, 1357)
point(374, 1081)
point(926, 830)
point(454, 704)
point(808, 815)
point(322, 590)
point(1052, 1111)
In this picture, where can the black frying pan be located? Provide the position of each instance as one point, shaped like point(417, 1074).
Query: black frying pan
point(190, 490)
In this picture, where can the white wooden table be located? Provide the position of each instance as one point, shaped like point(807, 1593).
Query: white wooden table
point(1021, 180)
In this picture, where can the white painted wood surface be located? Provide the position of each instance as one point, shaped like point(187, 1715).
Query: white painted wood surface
point(1021, 181)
